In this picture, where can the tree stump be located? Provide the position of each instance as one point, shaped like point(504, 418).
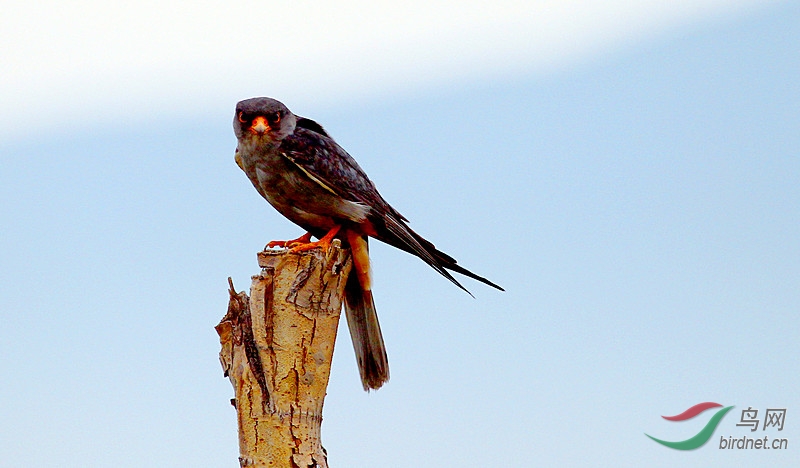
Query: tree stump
point(277, 346)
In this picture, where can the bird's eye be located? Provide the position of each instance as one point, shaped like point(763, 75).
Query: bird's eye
point(277, 118)
point(241, 117)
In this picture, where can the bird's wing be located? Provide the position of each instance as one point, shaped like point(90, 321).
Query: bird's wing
point(330, 166)
point(312, 125)
point(397, 234)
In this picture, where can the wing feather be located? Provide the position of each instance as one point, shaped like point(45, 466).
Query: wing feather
point(330, 166)
point(327, 164)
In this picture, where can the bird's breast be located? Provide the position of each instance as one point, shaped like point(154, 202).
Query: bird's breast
point(289, 190)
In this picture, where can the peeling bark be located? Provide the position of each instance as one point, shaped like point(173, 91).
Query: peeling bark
point(277, 346)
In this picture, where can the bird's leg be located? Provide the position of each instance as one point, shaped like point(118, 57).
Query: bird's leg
point(360, 250)
point(324, 243)
point(304, 239)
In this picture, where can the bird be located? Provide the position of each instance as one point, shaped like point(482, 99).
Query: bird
point(307, 177)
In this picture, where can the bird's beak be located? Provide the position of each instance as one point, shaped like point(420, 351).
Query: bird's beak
point(259, 126)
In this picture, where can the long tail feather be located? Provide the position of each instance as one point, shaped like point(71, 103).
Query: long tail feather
point(362, 318)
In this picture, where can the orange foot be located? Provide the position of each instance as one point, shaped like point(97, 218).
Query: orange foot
point(324, 243)
point(304, 239)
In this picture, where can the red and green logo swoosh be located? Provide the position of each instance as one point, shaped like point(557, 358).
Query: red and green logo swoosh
point(701, 437)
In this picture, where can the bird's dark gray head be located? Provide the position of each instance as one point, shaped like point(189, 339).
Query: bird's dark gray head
point(262, 119)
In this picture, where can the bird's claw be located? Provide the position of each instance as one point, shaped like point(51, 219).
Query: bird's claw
point(310, 246)
point(324, 243)
point(304, 239)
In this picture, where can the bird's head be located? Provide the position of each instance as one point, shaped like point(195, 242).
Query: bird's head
point(262, 120)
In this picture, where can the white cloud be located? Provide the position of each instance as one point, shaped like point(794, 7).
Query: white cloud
point(70, 62)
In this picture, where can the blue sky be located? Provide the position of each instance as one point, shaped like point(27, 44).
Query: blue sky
point(634, 185)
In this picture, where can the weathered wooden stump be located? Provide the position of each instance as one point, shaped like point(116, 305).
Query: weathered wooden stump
point(277, 346)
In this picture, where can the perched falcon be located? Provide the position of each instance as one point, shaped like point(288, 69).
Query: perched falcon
point(311, 180)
